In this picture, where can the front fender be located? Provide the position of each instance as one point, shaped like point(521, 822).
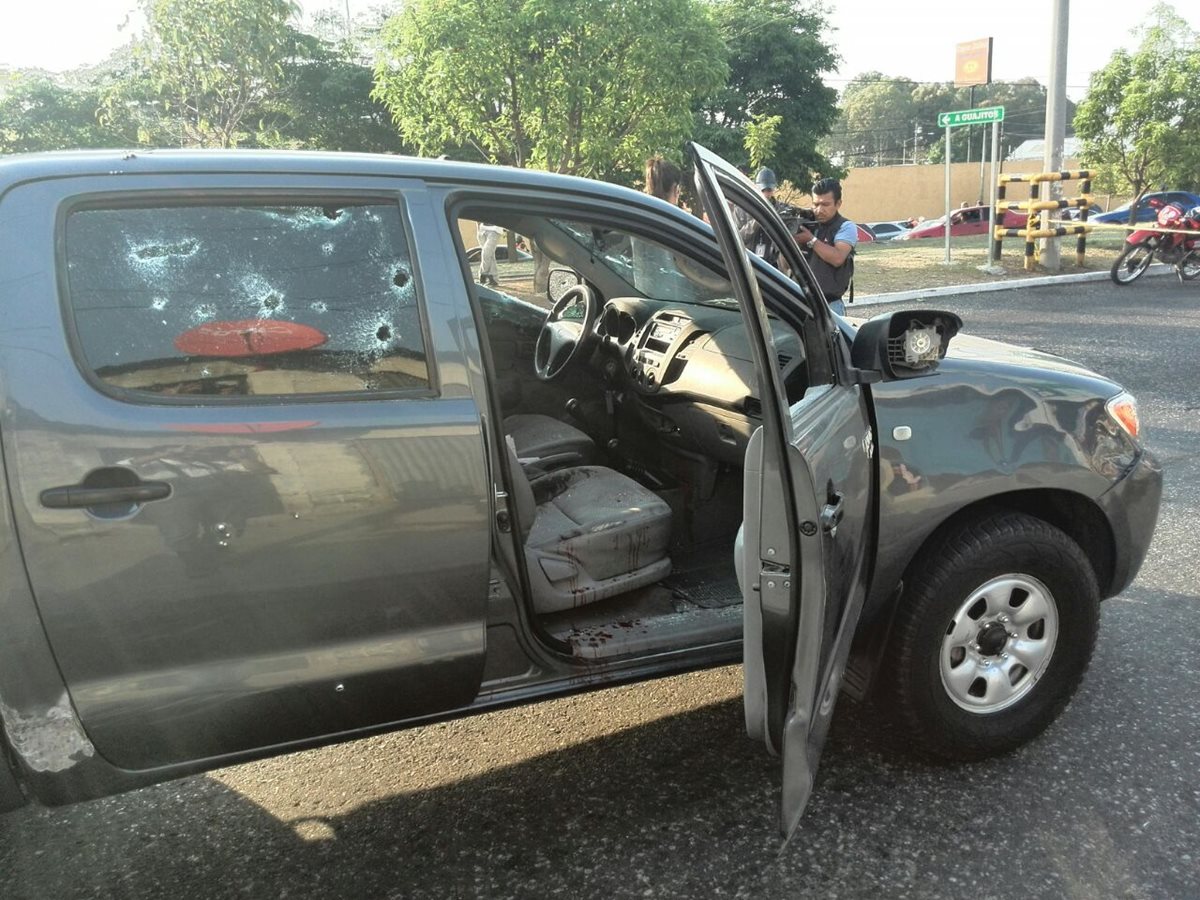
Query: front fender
point(961, 438)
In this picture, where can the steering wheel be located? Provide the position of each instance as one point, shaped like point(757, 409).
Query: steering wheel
point(561, 339)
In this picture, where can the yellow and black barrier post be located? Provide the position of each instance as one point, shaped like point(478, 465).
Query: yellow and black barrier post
point(1034, 206)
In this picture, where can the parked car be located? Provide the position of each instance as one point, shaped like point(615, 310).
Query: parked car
point(501, 254)
point(277, 473)
point(886, 231)
point(1072, 213)
point(965, 221)
point(1147, 207)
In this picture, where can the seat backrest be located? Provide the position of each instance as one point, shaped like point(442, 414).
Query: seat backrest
point(523, 504)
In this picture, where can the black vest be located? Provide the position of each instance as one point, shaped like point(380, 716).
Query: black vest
point(833, 281)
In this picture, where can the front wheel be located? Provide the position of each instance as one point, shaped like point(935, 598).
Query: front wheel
point(993, 634)
point(1133, 261)
point(1188, 267)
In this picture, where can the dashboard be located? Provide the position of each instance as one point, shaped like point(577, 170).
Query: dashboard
point(687, 371)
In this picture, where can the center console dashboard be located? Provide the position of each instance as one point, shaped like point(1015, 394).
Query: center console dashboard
point(687, 372)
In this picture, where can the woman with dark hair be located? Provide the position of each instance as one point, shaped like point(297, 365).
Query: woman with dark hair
point(663, 179)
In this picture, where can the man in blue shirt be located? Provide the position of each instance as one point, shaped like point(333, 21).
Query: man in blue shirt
point(831, 243)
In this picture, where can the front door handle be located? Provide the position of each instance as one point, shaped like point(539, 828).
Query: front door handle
point(93, 491)
point(831, 514)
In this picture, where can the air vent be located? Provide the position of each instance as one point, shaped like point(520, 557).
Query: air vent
point(784, 361)
point(752, 407)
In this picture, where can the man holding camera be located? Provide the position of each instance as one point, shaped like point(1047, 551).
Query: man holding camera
point(830, 244)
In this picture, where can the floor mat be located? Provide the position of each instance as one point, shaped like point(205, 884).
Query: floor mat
point(709, 586)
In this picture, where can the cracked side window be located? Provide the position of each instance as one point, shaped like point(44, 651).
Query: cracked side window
point(246, 299)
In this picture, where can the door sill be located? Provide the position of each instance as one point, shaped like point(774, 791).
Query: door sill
point(641, 623)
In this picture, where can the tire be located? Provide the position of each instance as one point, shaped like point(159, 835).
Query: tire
point(952, 674)
point(1133, 261)
point(1189, 267)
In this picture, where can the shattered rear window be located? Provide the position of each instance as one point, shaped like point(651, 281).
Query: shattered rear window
point(246, 300)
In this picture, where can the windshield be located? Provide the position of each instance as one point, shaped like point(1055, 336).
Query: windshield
point(645, 267)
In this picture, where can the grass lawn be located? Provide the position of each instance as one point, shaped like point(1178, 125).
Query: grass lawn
point(882, 267)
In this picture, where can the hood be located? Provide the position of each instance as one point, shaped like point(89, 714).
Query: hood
point(968, 352)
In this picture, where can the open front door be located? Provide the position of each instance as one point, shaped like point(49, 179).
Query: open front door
point(809, 497)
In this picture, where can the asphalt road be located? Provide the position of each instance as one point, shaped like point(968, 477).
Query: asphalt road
point(654, 790)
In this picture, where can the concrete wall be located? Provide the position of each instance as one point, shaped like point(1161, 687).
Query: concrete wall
point(897, 192)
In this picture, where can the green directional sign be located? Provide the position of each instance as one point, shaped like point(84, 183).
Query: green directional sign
point(984, 115)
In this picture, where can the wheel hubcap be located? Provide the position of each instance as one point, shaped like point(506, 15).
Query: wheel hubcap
point(999, 643)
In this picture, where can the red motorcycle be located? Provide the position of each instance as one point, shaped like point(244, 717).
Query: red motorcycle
point(1174, 248)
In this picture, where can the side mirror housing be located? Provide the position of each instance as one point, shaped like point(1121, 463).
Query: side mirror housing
point(562, 280)
point(904, 344)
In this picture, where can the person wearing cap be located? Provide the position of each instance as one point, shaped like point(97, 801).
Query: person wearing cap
point(752, 236)
point(831, 243)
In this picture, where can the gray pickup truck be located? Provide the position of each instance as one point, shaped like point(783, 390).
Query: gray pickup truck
point(279, 472)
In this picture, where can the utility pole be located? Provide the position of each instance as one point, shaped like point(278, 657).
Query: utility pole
point(1056, 124)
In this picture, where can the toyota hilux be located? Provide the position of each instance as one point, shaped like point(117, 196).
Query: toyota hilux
point(278, 472)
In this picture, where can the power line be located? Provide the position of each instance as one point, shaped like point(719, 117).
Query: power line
point(901, 80)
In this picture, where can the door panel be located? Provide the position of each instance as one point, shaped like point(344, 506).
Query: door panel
point(809, 492)
point(320, 563)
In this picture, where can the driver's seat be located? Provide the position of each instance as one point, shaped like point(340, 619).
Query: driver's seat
point(544, 443)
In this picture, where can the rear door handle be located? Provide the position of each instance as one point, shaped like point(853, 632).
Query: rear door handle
point(77, 496)
point(831, 514)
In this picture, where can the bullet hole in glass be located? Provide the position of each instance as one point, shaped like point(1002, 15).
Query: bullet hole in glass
point(384, 333)
point(271, 301)
point(161, 250)
point(332, 212)
point(401, 278)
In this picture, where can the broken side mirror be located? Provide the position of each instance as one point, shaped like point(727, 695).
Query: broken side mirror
point(903, 344)
point(562, 280)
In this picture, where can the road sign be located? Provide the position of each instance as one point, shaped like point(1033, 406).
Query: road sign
point(973, 63)
point(985, 115)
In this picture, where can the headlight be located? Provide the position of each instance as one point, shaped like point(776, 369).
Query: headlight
point(1124, 411)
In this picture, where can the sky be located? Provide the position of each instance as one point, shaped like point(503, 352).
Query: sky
point(911, 38)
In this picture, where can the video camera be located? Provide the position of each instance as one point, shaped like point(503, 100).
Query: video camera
point(796, 217)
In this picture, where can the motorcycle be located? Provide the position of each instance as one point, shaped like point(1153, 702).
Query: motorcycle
point(1173, 248)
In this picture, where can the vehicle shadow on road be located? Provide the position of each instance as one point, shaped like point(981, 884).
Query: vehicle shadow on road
point(657, 799)
point(674, 805)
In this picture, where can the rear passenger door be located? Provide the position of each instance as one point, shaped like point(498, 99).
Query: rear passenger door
point(248, 477)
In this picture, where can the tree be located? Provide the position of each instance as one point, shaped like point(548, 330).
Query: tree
point(777, 57)
point(325, 101)
point(214, 63)
point(762, 137)
point(1140, 120)
point(588, 87)
point(877, 121)
point(39, 111)
point(886, 121)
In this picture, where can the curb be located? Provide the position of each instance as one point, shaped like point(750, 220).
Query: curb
point(988, 286)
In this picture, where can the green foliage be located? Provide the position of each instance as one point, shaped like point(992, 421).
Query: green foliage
point(1140, 120)
point(877, 121)
point(777, 57)
point(762, 136)
point(589, 87)
point(214, 63)
point(41, 112)
point(888, 121)
point(325, 102)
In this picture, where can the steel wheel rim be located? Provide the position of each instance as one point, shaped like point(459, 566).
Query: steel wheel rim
point(1189, 266)
point(1136, 262)
point(998, 643)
